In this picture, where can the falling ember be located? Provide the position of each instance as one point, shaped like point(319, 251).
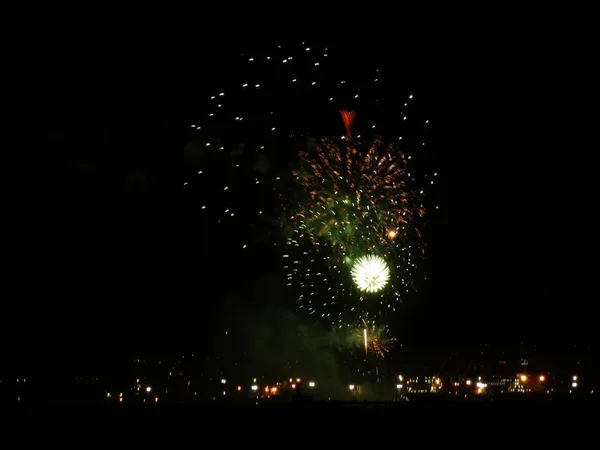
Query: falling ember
point(366, 340)
point(348, 118)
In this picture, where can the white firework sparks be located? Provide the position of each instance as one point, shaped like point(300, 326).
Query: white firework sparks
point(370, 273)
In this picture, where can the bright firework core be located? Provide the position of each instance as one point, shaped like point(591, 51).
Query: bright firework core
point(370, 273)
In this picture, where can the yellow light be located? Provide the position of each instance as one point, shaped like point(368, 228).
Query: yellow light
point(468, 382)
point(392, 234)
point(311, 384)
point(351, 387)
point(239, 388)
point(297, 380)
point(523, 378)
point(293, 386)
point(266, 388)
point(542, 378)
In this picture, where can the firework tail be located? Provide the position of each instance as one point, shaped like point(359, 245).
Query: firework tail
point(348, 118)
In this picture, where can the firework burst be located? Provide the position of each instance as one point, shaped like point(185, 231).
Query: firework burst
point(358, 204)
point(374, 339)
point(370, 273)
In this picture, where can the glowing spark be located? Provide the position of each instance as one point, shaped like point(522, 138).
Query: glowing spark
point(370, 273)
point(366, 340)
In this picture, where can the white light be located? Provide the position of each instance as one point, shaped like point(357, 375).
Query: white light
point(311, 384)
point(254, 387)
point(148, 389)
point(370, 273)
point(223, 381)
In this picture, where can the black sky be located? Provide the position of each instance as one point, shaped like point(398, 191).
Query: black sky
point(98, 263)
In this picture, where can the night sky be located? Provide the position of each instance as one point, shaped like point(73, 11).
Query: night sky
point(109, 255)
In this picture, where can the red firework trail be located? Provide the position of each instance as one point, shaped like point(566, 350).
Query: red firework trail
point(348, 118)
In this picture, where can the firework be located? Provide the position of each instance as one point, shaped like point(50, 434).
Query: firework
point(359, 211)
point(370, 273)
point(374, 339)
